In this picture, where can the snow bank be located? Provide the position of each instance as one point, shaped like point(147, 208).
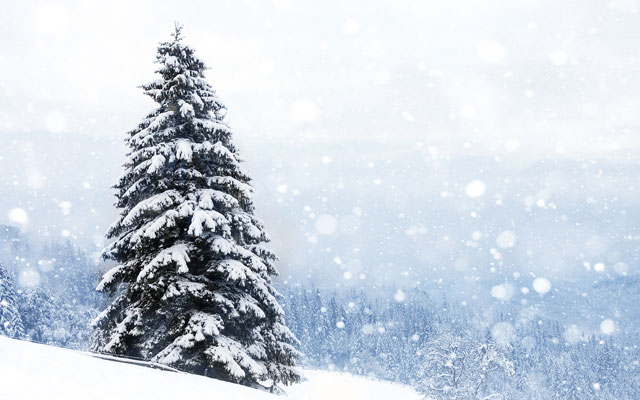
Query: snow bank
point(324, 385)
point(33, 371)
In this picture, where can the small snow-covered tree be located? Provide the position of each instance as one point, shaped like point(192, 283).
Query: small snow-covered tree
point(568, 380)
point(10, 320)
point(193, 275)
point(606, 367)
point(52, 320)
point(39, 312)
point(459, 367)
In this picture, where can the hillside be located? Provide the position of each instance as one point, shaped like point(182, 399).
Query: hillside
point(32, 371)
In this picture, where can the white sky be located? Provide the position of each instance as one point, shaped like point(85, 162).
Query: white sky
point(539, 74)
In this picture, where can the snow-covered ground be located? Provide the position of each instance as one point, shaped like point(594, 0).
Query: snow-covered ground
point(33, 371)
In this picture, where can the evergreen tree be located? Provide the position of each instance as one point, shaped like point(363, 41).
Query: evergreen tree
point(52, 320)
point(10, 320)
point(607, 366)
point(461, 367)
point(39, 315)
point(193, 274)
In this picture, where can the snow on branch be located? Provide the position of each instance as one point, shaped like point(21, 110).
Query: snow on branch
point(108, 277)
point(155, 203)
point(205, 218)
point(178, 254)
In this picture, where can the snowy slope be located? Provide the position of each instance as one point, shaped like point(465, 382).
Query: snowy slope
point(32, 371)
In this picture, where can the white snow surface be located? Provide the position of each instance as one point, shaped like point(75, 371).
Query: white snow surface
point(33, 371)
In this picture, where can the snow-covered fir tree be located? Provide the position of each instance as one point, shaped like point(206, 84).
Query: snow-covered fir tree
point(459, 367)
point(193, 277)
point(10, 321)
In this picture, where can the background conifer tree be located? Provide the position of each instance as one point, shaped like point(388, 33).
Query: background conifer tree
point(193, 279)
point(10, 320)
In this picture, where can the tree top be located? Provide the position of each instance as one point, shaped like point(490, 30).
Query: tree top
point(177, 34)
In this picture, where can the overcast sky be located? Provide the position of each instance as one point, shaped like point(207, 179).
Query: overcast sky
point(350, 110)
point(455, 70)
